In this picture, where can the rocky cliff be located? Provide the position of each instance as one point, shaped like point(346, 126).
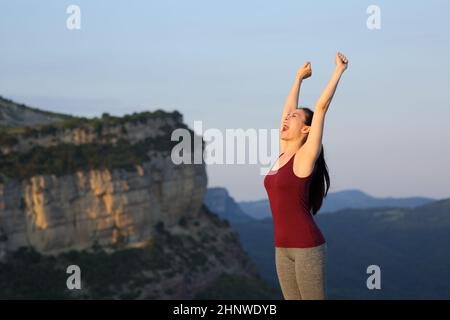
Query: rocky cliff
point(104, 194)
point(79, 182)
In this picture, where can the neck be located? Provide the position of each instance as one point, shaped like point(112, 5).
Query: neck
point(292, 146)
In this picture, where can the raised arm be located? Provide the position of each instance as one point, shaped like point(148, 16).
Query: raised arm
point(291, 102)
point(313, 144)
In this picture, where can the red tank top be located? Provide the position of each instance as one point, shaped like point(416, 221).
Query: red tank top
point(294, 225)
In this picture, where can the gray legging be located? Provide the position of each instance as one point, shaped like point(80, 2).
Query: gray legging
point(302, 272)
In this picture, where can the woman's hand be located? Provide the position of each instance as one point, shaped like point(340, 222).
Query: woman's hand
point(304, 71)
point(341, 62)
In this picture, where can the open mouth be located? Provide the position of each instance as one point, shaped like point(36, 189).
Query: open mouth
point(284, 128)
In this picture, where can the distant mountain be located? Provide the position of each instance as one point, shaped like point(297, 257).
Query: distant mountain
point(335, 201)
point(220, 202)
point(14, 114)
point(357, 199)
point(410, 245)
point(259, 209)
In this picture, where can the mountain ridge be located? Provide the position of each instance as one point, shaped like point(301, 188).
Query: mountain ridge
point(334, 201)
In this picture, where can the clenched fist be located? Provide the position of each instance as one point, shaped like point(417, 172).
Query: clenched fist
point(304, 71)
point(341, 62)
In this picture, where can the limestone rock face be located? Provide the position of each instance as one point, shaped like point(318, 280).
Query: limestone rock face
point(108, 207)
point(116, 207)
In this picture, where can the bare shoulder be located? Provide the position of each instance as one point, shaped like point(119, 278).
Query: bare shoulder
point(303, 163)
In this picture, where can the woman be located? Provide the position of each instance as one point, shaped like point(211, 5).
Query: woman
point(296, 188)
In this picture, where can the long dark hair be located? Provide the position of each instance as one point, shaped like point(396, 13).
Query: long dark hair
point(317, 188)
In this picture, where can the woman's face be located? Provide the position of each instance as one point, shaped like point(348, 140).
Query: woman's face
point(293, 125)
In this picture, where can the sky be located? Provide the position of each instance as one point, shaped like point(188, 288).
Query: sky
point(230, 64)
